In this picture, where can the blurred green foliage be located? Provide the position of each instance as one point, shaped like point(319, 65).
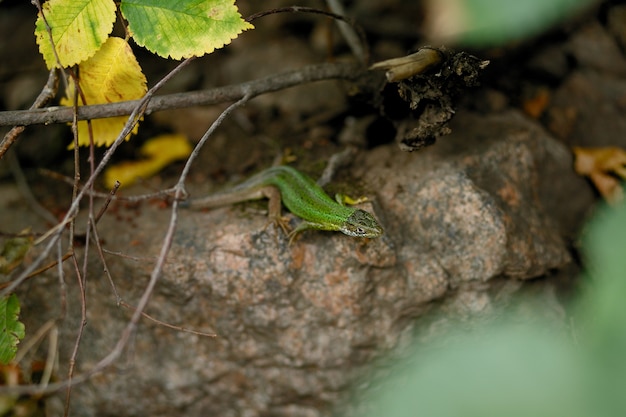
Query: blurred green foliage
point(494, 22)
point(529, 370)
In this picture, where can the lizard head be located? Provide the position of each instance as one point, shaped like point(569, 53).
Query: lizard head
point(361, 224)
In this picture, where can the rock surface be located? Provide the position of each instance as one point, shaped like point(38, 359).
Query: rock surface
point(297, 325)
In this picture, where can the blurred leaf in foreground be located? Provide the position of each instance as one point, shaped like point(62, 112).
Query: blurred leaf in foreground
point(528, 370)
point(506, 370)
point(603, 310)
point(495, 22)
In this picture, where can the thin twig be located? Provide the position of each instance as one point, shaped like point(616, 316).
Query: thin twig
point(132, 258)
point(54, 230)
point(160, 194)
point(80, 275)
point(335, 162)
point(61, 276)
point(51, 329)
point(96, 238)
point(53, 346)
point(28, 344)
point(358, 41)
point(76, 180)
point(40, 270)
point(171, 326)
point(79, 336)
point(354, 41)
point(107, 201)
point(196, 151)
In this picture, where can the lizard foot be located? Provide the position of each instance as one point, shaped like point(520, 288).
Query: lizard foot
point(282, 222)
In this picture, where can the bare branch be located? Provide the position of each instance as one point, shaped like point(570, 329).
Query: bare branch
point(312, 73)
point(170, 326)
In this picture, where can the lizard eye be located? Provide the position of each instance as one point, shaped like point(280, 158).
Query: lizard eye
point(360, 230)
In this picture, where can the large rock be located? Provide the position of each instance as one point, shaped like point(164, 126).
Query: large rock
point(296, 325)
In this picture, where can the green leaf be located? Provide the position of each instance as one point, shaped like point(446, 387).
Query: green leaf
point(11, 329)
point(181, 29)
point(79, 28)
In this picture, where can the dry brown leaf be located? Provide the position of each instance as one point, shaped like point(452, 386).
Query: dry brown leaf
point(536, 105)
point(605, 167)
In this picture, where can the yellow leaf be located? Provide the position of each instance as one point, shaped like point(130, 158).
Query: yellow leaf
point(111, 75)
point(604, 167)
point(159, 151)
point(78, 27)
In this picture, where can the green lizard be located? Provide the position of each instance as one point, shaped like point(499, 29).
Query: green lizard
point(302, 196)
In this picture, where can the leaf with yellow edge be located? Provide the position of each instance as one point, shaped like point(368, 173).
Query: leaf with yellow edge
point(159, 151)
point(79, 28)
point(183, 28)
point(111, 75)
point(604, 167)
